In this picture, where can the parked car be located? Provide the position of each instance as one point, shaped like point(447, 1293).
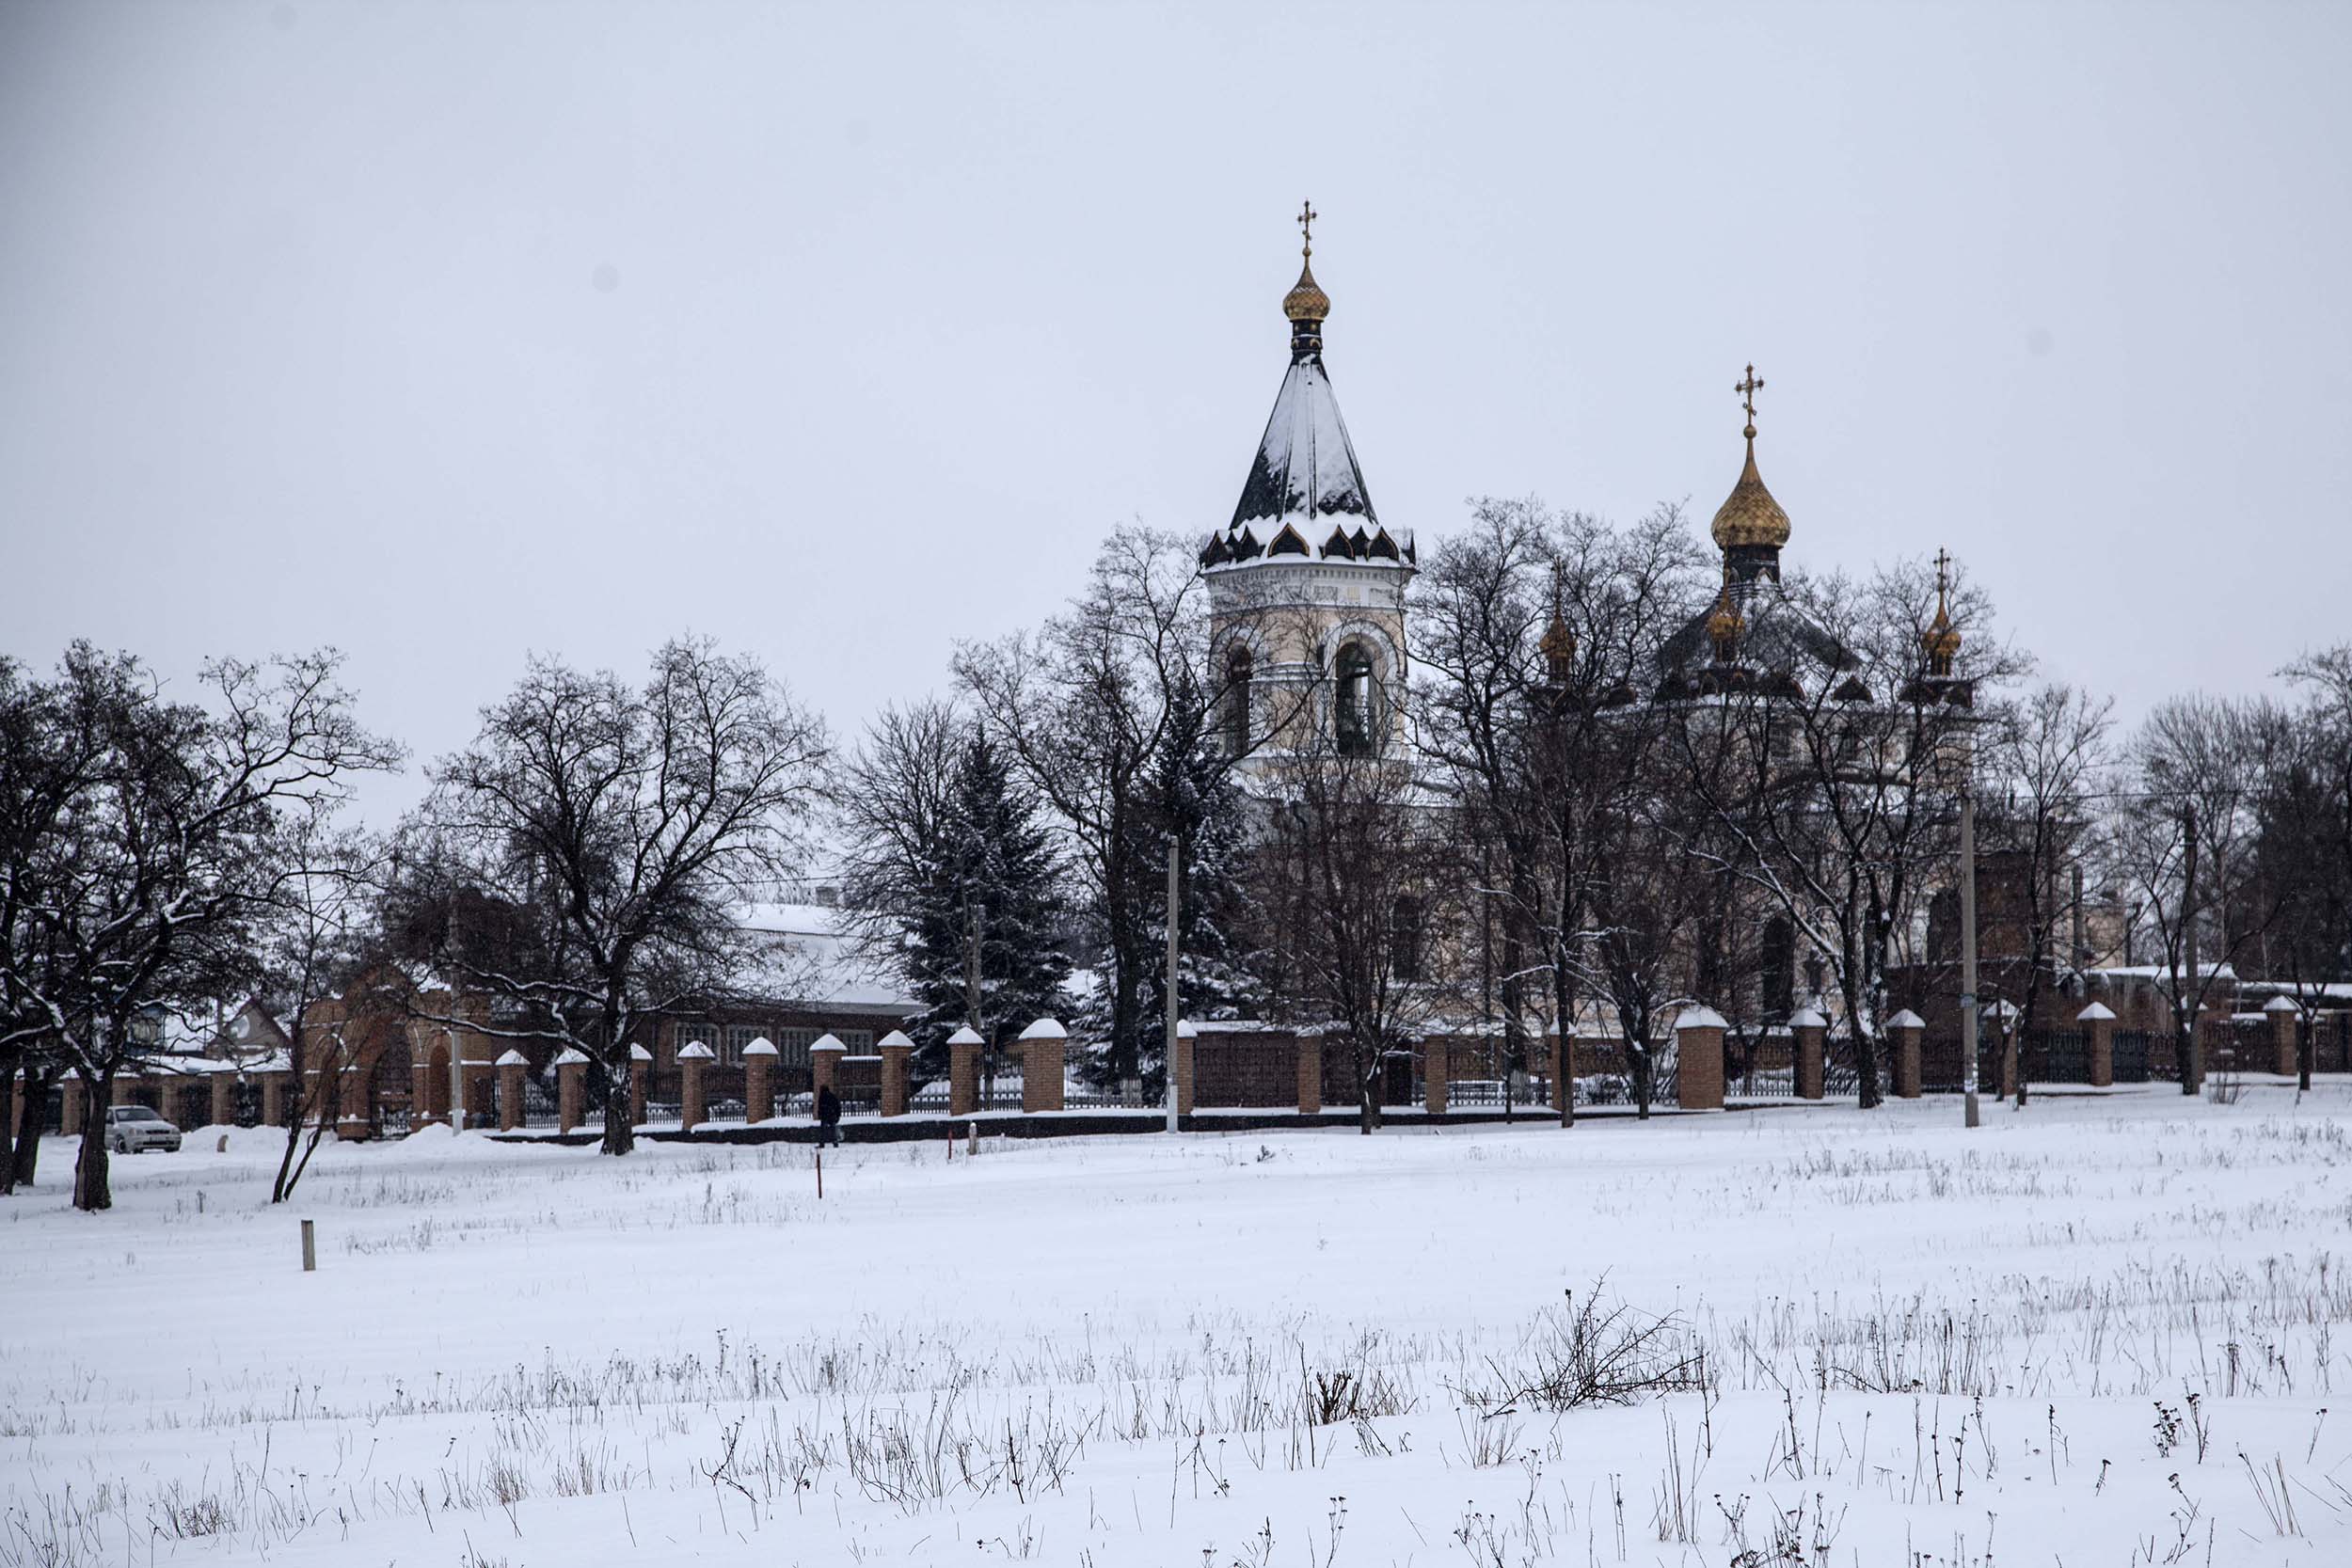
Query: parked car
point(135, 1129)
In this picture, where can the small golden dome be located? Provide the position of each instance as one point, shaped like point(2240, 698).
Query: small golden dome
point(1306, 302)
point(1558, 648)
point(1750, 516)
point(1723, 623)
point(1941, 641)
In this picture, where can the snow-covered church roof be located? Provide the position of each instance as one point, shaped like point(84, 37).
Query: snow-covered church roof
point(1305, 495)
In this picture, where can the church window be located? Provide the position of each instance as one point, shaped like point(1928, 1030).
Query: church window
point(1355, 717)
point(1405, 938)
point(1237, 673)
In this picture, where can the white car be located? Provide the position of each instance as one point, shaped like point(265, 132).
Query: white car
point(135, 1129)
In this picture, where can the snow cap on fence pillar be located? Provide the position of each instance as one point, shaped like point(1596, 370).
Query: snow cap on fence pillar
point(573, 1056)
point(696, 1051)
point(638, 1053)
point(1807, 1018)
point(895, 1038)
point(1187, 1030)
point(1699, 1018)
point(1051, 1029)
point(827, 1043)
point(967, 1035)
point(1906, 1019)
point(514, 1058)
point(763, 1046)
point(2279, 1004)
point(2098, 1012)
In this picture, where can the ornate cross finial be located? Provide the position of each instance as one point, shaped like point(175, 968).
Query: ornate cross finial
point(1749, 386)
point(1943, 570)
point(1307, 216)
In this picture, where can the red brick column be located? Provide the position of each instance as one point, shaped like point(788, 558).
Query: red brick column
point(1562, 1048)
point(691, 1059)
point(824, 1067)
point(964, 1072)
point(1902, 1037)
point(640, 1069)
point(2283, 1014)
point(759, 1080)
point(511, 1065)
point(224, 1095)
point(1310, 1074)
point(2098, 1026)
point(2002, 1016)
point(1435, 1065)
point(71, 1113)
point(1044, 1053)
point(1187, 1043)
point(571, 1088)
point(1812, 1032)
point(1699, 1059)
point(126, 1090)
point(898, 1052)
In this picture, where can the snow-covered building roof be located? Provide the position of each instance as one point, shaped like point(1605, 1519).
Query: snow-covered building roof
point(811, 957)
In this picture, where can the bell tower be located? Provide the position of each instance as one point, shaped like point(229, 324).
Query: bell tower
point(1306, 586)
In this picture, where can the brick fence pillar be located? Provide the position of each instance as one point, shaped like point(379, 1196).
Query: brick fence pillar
point(1902, 1037)
point(1812, 1032)
point(692, 1058)
point(511, 1065)
point(124, 1090)
point(824, 1067)
point(1699, 1059)
point(2003, 1016)
point(2097, 1022)
point(964, 1072)
point(640, 1069)
point(71, 1113)
point(2283, 1014)
point(1310, 1074)
point(571, 1088)
point(759, 1080)
point(1187, 1047)
point(898, 1054)
point(224, 1095)
point(1434, 1066)
point(1044, 1053)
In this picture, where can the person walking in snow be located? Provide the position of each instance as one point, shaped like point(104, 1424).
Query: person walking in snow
point(828, 1116)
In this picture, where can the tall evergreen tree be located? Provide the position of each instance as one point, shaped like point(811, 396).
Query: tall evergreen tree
point(994, 872)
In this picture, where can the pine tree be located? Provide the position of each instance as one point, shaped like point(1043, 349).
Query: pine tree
point(994, 869)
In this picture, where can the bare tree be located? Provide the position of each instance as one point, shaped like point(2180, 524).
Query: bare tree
point(1828, 792)
point(156, 875)
point(1091, 705)
point(582, 865)
point(318, 930)
point(2184, 840)
point(2043, 764)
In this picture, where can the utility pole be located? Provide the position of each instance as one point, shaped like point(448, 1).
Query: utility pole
point(971, 992)
point(1968, 951)
point(2192, 1058)
point(1175, 953)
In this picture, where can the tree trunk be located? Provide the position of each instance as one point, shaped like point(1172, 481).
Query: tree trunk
point(8, 1121)
point(25, 1161)
point(91, 1191)
point(619, 1137)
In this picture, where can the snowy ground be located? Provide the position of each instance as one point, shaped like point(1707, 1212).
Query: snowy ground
point(2098, 1331)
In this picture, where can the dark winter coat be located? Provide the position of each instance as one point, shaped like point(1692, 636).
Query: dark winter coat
point(828, 1105)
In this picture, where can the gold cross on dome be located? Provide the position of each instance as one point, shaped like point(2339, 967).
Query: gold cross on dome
point(1749, 386)
point(1307, 216)
point(1943, 570)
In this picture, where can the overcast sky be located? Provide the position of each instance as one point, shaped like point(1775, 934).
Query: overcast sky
point(445, 333)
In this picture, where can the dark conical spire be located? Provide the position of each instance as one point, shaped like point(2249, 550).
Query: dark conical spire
point(1305, 495)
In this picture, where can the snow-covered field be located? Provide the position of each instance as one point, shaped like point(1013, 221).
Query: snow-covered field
point(2098, 1331)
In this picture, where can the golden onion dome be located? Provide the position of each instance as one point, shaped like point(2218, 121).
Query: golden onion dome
point(1306, 302)
point(1750, 516)
point(1559, 647)
point(1941, 639)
